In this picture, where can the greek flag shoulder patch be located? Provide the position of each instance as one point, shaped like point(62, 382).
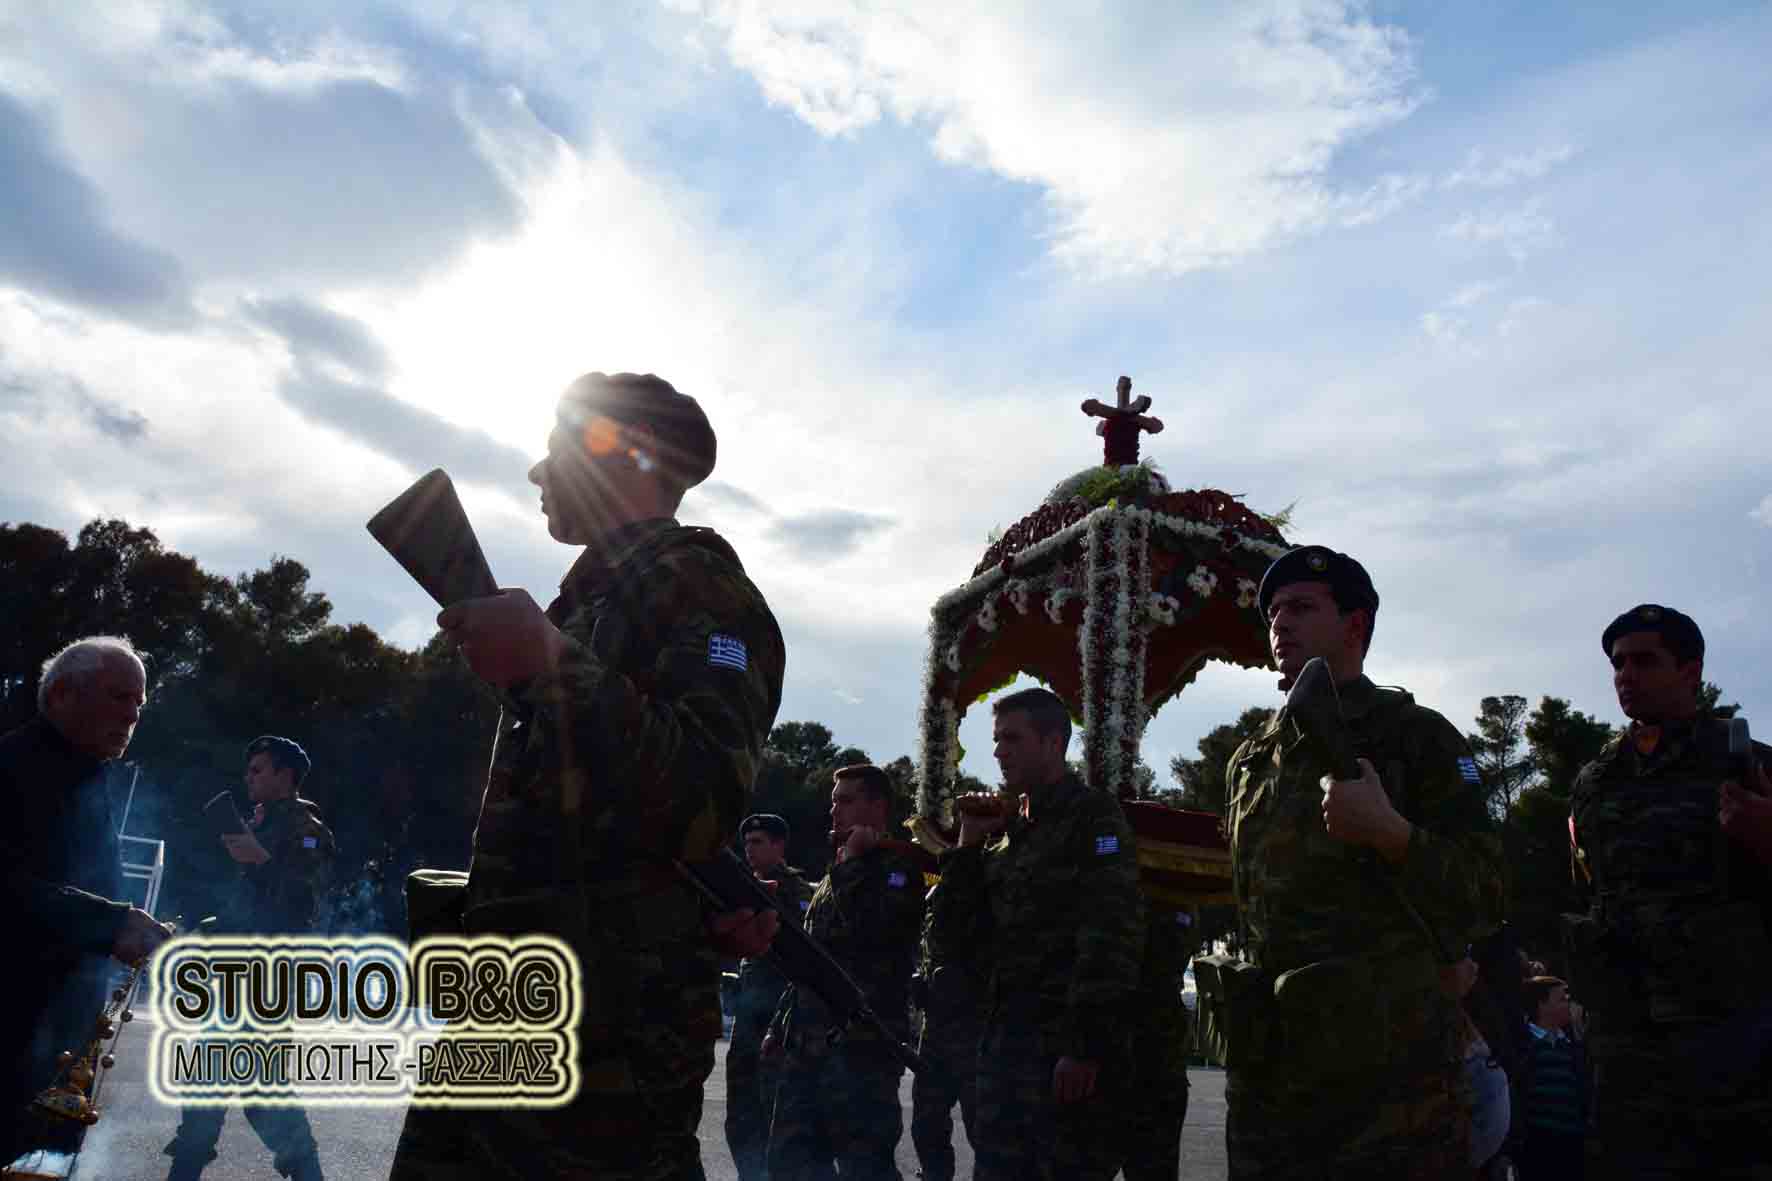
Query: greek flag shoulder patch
point(896, 880)
point(806, 903)
point(1467, 767)
point(726, 651)
point(1106, 845)
point(310, 842)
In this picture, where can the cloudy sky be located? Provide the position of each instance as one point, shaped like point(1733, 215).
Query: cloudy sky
point(1482, 289)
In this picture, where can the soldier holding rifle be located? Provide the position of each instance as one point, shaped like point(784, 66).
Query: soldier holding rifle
point(837, 1111)
point(637, 706)
point(1672, 827)
point(1356, 881)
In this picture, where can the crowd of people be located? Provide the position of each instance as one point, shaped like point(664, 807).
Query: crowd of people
point(1359, 1036)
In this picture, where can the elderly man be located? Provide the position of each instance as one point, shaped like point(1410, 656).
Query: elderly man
point(637, 706)
point(64, 872)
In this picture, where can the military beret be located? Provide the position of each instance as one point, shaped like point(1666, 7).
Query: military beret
point(1315, 563)
point(284, 752)
point(767, 822)
point(684, 434)
point(1676, 629)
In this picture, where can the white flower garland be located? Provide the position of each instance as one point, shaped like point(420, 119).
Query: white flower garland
point(1114, 578)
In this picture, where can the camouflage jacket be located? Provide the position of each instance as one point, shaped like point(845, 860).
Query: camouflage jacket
point(867, 913)
point(1307, 900)
point(1684, 910)
point(1163, 1042)
point(640, 748)
point(1048, 913)
point(283, 895)
point(949, 994)
point(1303, 896)
point(760, 983)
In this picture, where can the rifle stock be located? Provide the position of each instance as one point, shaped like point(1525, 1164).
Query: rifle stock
point(428, 533)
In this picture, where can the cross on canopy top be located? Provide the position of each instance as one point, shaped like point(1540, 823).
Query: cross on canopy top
point(1122, 423)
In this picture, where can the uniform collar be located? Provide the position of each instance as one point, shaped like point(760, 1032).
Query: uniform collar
point(1042, 800)
point(612, 550)
point(1357, 696)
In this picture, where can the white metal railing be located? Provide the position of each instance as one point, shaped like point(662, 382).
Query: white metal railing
point(150, 870)
point(153, 868)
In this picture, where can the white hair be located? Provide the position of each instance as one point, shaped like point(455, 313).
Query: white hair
point(81, 659)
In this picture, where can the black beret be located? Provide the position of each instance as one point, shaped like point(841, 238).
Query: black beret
point(1315, 563)
point(768, 822)
point(684, 434)
point(1676, 629)
point(284, 752)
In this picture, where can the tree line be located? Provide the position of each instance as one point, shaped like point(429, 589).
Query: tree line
point(1529, 758)
point(400, 738)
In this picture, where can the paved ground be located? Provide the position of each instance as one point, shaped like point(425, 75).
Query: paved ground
point(357, 1144)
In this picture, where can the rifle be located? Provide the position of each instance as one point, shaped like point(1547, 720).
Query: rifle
point(428, 533)
point(1315, 704)
point(728, 884)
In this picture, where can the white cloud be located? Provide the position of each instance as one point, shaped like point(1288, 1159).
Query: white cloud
point(1165, 139)
point(1478, 172)
point(1763, 514)
point(1519, 232)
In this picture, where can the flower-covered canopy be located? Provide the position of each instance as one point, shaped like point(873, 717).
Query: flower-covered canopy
point(1114, 593)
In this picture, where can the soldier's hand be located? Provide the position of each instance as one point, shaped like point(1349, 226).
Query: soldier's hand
point(1073, 1079)
point(771, 1049)
point(244, 848)
point(744, 933)
point(139, 936)
point(1746, 817)
point(1358, 812)
point(982, 816)
point(861, 839)
point(505, 638)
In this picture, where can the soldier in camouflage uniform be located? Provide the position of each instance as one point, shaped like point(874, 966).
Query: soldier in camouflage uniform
point(950, 1020)
point(751, 1082)
point(1157, 1105)
point(837, 1111)
point(635, 716)
point(1045, 907)
point(1673, 837)
point(286, 864)
point(1344, 1054)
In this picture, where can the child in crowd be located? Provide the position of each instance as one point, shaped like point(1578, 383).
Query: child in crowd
point(1555, 1096)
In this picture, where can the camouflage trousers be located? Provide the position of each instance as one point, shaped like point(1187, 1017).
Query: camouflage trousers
point(284, 1130)
point(1023, 1133)
point(1377, 1128)
point(1678, 1102)
point(606, 1136)
point(836, 1114)
point(750, 1097)
point(951, 1051)
point(1155, 1110)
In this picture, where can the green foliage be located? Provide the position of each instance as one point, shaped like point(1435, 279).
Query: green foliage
point(1501, 750)
point(1096, 486)
point(1202, 780)
point(1708, 696)
point(1281, 520)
